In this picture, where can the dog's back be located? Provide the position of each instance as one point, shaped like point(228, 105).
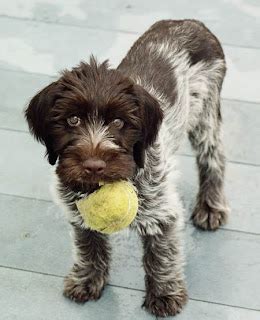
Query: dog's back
point(154, 53)
point(180, 63)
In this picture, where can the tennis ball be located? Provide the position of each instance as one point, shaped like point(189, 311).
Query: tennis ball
point(110, 208)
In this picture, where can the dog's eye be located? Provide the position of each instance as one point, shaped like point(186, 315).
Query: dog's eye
point(118, 123)
point(73, 121)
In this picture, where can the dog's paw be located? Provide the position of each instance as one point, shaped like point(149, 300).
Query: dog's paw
point(206, 218)
point(81, 291)
point(164, 306)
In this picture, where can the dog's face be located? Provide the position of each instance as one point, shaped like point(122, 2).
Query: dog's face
point(96, 123)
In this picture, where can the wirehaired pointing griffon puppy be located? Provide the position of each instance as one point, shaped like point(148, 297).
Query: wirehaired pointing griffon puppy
point(104, 124)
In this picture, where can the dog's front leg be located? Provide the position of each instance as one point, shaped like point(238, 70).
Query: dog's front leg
point(90, 271)
point(165, 289)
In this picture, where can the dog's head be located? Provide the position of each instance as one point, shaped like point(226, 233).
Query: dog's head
point(96, 123)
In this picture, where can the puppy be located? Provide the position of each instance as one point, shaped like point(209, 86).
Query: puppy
point(104, 124)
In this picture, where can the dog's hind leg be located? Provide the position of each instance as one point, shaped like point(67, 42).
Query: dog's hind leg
point(211, 209)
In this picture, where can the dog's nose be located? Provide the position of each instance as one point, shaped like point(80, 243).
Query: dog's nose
point(94, 166)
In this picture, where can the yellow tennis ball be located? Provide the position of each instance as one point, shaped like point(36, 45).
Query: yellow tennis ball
point(110, 208)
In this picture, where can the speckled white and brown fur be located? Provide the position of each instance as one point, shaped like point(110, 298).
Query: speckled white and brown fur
point(181, 65)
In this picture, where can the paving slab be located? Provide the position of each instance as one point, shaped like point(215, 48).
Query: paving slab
point(25, 295)
point(22, 50)
point(23, 169)
point(209, 311)
point(17, 88)
point(224, 17)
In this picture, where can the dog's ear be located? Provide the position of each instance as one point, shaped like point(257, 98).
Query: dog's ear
point(37, 115)
point(151, 116)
